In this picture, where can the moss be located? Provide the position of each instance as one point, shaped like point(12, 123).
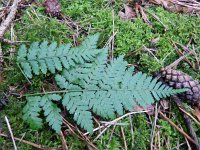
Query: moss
point(96, 16)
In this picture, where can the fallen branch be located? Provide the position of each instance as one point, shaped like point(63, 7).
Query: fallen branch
point(6, 23)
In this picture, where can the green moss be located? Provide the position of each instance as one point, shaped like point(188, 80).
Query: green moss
point(96, 16)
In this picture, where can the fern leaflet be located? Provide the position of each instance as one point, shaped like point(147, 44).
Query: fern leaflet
point(43, 57)
point(35, 104)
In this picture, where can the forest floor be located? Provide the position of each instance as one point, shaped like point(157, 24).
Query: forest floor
point(149, 41)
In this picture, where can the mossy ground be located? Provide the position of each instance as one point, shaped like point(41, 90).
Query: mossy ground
point(96, 16)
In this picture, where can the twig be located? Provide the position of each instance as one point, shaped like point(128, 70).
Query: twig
point(176, 62)
point(11, 134)
point(1, 56)
point(187, 122)
point(81, 135)
point(24, 74)
point(64, 144)
point(132, 136)
point(29, 143)
point(111, 135)
point(12, 42)
point(154, 126)
point(113, 33)
point(134, 52)
point(86, 139)
point(157, 18)
point(70, 126)
point(108, 126)
point(195, 120)
point(175, 126)
point(187, 142)
point(5, 24)
point(144, 16)
point(117, 119)
point(124, 139)
point(150, 51)
point(182, 54)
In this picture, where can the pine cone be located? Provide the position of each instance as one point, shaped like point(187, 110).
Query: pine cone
point(177, 80)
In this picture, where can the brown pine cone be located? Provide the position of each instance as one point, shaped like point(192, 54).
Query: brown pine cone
point(177, 80)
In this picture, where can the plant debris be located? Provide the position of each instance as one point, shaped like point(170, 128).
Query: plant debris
point(52, 8)
point(186, 6)
point(127, 13)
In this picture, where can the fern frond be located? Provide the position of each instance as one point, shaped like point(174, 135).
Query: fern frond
point(51, 111)
point(89, 83)
point(80, 110)
point(36, 104)
point(108, 88)
point(31, 112)
point(40, 58)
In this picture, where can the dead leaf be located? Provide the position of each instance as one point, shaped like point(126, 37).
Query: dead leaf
point(127, 13)
point(197, 113)
point(188, 6)
point(138, 108)
point(144, 16)
point(164, 104)
point(52, 8)
point(149, 108)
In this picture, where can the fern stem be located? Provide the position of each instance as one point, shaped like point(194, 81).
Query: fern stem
point(52, 92)
point(24, 74)
point(68, 91)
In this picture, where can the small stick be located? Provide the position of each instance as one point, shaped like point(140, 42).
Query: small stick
point(195, 120)
point(5, 24)
point(12, 42)
point(176, 62)
point(99, 135)
point(134, 52)
point(11, 134)
point(124, 139)
point(175, 126)
point(132, 136)
point(188, 122)
point(117, 119)
point(111, 135)
point(182, 54)
point(64, 144)
point(29, 143)
point(24, 74)
point(113, 33)
point(154, 126)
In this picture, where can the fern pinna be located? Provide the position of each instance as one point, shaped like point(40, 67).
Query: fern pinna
point(89, 84)
point(43, 57)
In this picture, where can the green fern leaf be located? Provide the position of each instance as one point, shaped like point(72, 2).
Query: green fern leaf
point(31, 112)
point(40, 58)
point(51, 111)
point(80, 110)
point(89, 83)
point(107, 89)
